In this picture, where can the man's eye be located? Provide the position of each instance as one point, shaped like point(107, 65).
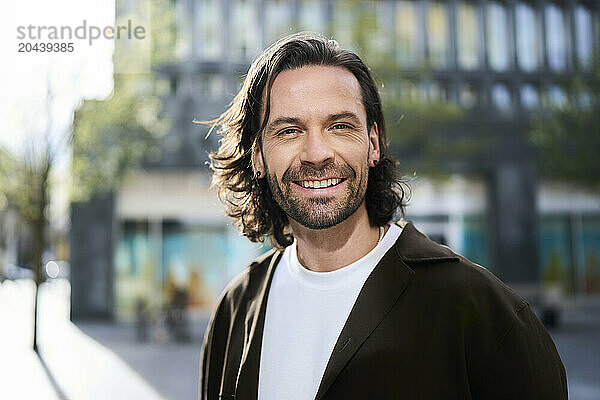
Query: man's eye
point(288, 132)
point(339, 126)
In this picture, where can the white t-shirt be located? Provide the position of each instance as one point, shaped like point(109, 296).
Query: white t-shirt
point(305, 314)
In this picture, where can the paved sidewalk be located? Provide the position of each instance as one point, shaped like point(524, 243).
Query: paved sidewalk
point(82, 368)
point(171, 368)
point(21, 372)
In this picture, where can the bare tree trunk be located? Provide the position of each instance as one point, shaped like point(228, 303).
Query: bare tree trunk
point(39, 244)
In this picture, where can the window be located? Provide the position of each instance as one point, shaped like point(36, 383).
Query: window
point(208, 29)
point(409, 91)
point(244, 39)
point(211, 86)
point(585, 98)
point(528, 46)
point(311, 16)
point(501, 97)
point(183, 17)
point(438, 33)
point(557, 96)
point(469, 95)
point(583, 36)
point(376, 19)
point(278, 20)
point(344, 21)
point(407, 33)
point(468, 36)
point(438, 92)
point(497, 36)
point(529, 97)
point(556, 38)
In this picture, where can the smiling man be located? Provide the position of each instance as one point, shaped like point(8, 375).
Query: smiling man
point(349, 304)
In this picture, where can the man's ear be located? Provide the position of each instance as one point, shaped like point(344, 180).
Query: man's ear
point(258, 164)
point(374, 149)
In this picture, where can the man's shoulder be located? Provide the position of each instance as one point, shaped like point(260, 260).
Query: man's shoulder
point(440, 270)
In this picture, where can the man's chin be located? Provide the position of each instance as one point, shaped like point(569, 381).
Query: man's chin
point(319, 214)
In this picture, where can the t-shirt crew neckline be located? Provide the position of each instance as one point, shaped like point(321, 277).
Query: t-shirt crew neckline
point(344, 277)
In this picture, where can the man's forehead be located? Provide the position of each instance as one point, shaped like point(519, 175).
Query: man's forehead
point(323, 90)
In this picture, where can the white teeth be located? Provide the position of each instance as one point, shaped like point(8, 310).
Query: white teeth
point(320, 184)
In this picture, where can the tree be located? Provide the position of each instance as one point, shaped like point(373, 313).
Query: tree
point(106, 138)
point(25, 179)
point(567, 136)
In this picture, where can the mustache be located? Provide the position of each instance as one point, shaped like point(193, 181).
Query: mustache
point(304, 171)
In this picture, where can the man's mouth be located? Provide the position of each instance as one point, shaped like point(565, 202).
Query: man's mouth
point(319, 184)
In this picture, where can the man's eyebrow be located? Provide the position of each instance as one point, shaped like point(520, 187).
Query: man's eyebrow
point(344, 115)
point(282, 121)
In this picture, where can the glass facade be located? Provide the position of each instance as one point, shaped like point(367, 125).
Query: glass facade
point(591, 253)
point(475, 242)
point(244, 23)
point(497, 36)
point(468, 36)
point(501, 97)
point(556, 37)
point(408, 36)
point(183, 45)
point(569, 248)
point(555, 252)
point(529, 97)
point(279, 15)
point(416, 34)
point(311, 16)
point(377, 18)
point(557, 96)
point(584, 36)
point(156, 258)
point(469, 95)
point(208, 15)
point(528, 44)
point(438, 34)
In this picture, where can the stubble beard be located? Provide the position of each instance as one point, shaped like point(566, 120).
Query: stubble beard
point(319, 212)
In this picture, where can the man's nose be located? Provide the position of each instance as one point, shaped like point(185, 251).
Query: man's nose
point(316, 151)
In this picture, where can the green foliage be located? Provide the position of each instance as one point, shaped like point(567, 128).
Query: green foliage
point(568, 140)
point(113, 135)
point(418, 128)
point(567, 136)
point(24, 181)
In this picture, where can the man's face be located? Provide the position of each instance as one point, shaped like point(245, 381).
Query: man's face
point(316, 147)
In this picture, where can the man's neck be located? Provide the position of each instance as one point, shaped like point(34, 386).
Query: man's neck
point(333, 248)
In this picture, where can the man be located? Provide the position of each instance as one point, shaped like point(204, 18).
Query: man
point(349, 305)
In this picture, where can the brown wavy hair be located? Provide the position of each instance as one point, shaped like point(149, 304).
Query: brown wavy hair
point(249, 200)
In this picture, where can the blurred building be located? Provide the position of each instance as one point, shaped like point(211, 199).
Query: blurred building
point(496, 59)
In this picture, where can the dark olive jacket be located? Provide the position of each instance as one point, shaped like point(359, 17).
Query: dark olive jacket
point(427, 324)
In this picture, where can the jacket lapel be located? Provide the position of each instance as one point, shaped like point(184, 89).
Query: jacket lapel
point(247, 380)
point(380, 292)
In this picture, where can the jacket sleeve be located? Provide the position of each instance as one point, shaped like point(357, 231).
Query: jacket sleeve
point(213, 352)
point(525, 365)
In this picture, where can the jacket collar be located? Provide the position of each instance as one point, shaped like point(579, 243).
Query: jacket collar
point(414, 247)
point(381, 291)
